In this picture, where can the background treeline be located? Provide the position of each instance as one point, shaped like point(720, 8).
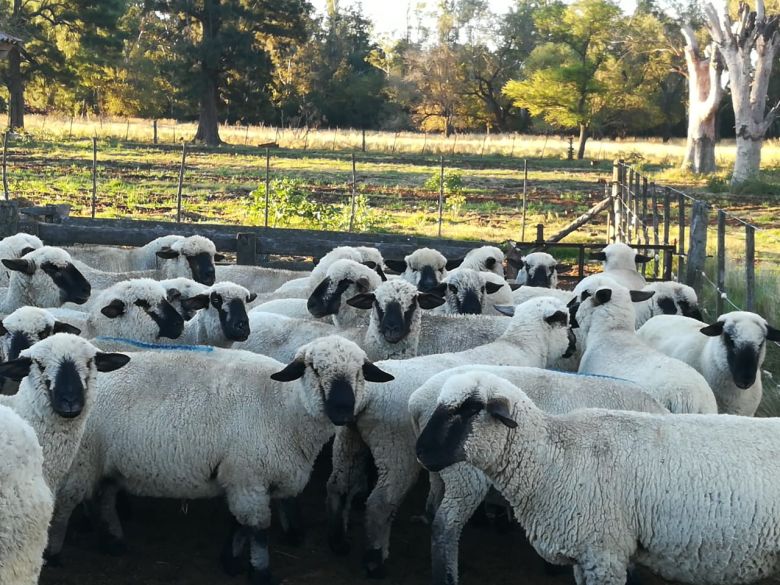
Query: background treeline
point(583, 67)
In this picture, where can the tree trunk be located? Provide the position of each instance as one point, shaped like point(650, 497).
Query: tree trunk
point(210, 53)
point(583, 138)
point(748, 161)
point(15, 90)
point(208, 123)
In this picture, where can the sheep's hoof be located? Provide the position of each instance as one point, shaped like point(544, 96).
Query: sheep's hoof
point(374, 564)
point(232, 565)
point(111, 545)
point(550, 569)
point(260, 577)
point(52, 559)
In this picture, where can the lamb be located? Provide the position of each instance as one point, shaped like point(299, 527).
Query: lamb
point(45, 277)
point(728, 353)
point(343, 279)
point(222, 318)
point(606, 488)
point(620, 262)
point(537, 335)
point(464, 487)
point(56, 395)
point(222, 422)
point(670, 298)
point(485, 259)
point(539, 269)
point(606, 316)
point(17, 246)
point(193, 257)
point(26, 502)
point(425, 268)
point(465, 292)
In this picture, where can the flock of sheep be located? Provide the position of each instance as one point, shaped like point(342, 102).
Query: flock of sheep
point(592, 412)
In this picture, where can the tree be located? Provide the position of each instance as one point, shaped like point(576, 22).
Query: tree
point(220, 35)
point(563, 86)
point(748, 47)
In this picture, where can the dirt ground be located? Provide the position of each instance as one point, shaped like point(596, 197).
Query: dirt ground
point(175, 543)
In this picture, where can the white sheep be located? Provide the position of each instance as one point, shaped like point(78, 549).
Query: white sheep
point(466, 292)
point(26, 502)
point(45, 277)
point(16, 246)
point(113, 259)
point(693, 498)
point(620, 262)
point(343, 280)
point(728, 353)
point(538, 269)
point(537, 335)
point(670, 298)
point(485, 259)
point(56, 395)
point(192, 257)
point(425, 268)
point(221, 423)
point(222, 318)
point(612, 348)
point(461, 487)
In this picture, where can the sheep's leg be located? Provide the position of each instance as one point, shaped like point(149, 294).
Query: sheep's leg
point(348, 478)
point(393, 484)
point(464, 489)
point(435, 495)
point(111, 535)
point(290, 521)
point(67, 501)
point(251, 507)
point(232, 555)
point(600, 569)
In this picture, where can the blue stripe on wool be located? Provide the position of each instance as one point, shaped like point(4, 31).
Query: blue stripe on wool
point(158, 346)
point(585, 375)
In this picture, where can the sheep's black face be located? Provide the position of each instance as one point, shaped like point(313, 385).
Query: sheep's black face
point(323, 302)
point(66, 392)
point(539, 276)
point(743, 360)
point(689, 310)
point(428, 279)
point(440, 443)
point(20, 341)
point(572, 344)
point(340, 402)
point(202, 268)
point(169, 322)
point(232, 317)
point(667, 305)
point(394, 322)
point(74, 288)
point(469, 303)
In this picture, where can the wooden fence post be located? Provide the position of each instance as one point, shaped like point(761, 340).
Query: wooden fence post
point(681, 241)
point(616, 187)
point(629, 206)
point(5, 161)
point(750, 267)
point(525, 192)
point(94, 175)
point(354, 189)
point(181, 181)
point(154, 131)
point(363, 147)
point(246, 249)
point(9, 218)
point(697, 249)
point(721, 260)
point(540, 233)
point(267, 182)
point(441, 193)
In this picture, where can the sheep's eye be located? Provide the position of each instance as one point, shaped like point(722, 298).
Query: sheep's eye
point(143, 303)
point(216, 300)
point(453, 288)
point(379, 311)
point(584, 295)
point(482, 289)
point(727, 338)
point(45, 332)
point(470, 407)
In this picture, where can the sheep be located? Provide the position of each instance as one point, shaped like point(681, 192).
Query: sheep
point(538, 269)
point(606, 316)
point(26, 502)
point(465, 292)
point(222, 422)
point(464, 487)
point(17, 246)
point(620, 262)
point(100, 280)
point(485, 259)
point(192, 257)
point(425, 268)
point(343, 279)
point(222, 319)
point(393, 324)
point(56, 395)
point(45, 277)
point(112, 259)
point(537, 335)
point(179, 290)
point(693, 498)
point(728, 353)
point(670, 298)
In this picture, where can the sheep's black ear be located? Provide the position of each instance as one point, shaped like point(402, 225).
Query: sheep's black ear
point(373, 374)
point(16, 369)
point(219, 257)
point(637, 296)
point(498, 408)
point(508, 310)
point(641, 258)
point(370, 264)
point(429, 300)
point(713, 330)
point(598, 256)
point(251, 298)
point(196, 303)
point(362, 300)
point(108, 362)
point(452, 264)
point(515, 262)
point(3, 330)
point(490, 262)
point(572, 302)
point(772, 334)
point(167, 253)
point(173, 294)
point(514, 285)
point(398, 266)
point(26, 251)
point(492, 287)
point(292, 371)
point(559, 268)
point(603, 295)
point(20, 265)
point(60, 327)
point(559, 318)
point(114, 309)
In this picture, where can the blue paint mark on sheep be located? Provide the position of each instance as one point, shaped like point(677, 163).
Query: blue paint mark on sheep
point(158, 346)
